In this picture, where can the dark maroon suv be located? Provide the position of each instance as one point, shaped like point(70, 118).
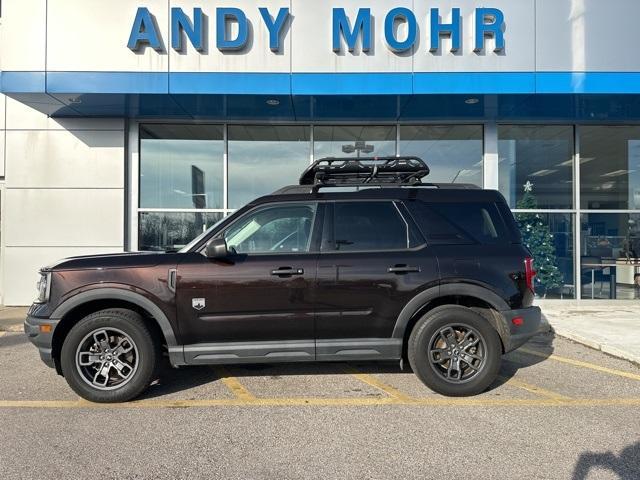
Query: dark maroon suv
point(361, 261)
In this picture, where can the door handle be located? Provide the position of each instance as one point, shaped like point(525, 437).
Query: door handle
point(285, 271)
point(400, 269)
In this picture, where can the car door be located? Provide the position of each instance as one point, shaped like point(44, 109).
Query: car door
point(257, 303)
point(373, 261)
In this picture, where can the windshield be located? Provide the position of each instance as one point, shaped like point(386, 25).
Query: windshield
point(193, 242)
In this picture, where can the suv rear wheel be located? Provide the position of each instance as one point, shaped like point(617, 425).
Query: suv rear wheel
point(455, 351)
point(109, 356)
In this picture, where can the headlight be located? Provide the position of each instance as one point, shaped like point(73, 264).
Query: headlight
point(44, 287)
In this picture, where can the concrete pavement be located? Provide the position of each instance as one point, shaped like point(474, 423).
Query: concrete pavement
point(610, 326)
point(11, 318)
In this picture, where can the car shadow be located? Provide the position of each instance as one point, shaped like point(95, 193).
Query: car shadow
point(171, 380)
point(626, 465)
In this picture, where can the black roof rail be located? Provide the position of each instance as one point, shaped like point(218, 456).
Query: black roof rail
point(304, 189)
point(370, 171)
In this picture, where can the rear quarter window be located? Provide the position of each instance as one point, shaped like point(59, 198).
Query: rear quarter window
point(460, 223)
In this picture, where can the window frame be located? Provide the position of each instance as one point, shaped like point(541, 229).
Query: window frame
point(328, 230)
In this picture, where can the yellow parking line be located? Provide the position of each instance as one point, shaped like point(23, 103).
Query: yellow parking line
point(579, 363)
point(233, 384)
point(534, 389)
point(374, 382)
point(326, 402)
point(2, 334)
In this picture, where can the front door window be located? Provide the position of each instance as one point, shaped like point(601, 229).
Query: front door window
point(271, 230)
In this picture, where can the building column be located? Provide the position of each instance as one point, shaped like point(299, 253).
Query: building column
point(490, 163)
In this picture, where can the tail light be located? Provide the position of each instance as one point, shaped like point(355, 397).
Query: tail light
point(529, 273)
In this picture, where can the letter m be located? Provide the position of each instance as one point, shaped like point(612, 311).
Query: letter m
point(342, 27)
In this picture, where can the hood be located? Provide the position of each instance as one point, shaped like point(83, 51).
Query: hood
point(112, 260)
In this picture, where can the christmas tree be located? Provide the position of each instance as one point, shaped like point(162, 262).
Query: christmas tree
point(538, 238)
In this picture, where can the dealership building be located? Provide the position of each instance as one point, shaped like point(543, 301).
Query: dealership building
point(134, 125)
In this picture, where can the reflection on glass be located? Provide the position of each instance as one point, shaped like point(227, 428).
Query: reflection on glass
point(610, 263)
point(549, 237)
point(610, 167)
point(264, 158)
point(162, 231)
point(283, 229)
point(540, 155)
point(181, 166)
point(453, 153)
point(354, 141)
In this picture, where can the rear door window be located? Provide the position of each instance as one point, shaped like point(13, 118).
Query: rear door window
point(370, 226)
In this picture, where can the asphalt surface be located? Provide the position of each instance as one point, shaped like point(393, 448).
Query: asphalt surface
point(560, 410)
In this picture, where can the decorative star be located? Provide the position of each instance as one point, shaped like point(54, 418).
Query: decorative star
point(528, 187)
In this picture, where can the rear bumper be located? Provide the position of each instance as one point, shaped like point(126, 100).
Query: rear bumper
point(518, 335)
point(43, 341)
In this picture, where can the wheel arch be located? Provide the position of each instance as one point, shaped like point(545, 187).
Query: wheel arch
point(480, 299)
point(72, 310)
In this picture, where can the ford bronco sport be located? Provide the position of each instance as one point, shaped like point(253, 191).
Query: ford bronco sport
point(361, 261)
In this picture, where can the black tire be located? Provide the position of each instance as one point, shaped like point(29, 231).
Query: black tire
point(140, 362)
point(426, 339)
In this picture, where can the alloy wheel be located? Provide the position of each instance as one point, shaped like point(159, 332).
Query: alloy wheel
point(107, 358)
point(457, 352)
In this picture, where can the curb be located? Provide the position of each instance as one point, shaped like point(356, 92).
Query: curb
point(602, 347)
point(12, 328)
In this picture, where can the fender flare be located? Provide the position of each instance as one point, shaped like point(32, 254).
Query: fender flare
point(119, 294)
point(430, 294)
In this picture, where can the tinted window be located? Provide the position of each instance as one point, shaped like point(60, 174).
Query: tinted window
point(278, 229)
point(362, 226)
point(460, 223)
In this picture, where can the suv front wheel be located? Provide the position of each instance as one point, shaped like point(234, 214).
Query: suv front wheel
point(109, 356)
point(455, 351)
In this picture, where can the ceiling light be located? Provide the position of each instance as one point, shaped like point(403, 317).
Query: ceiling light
point(272, 102)
point(471, 101)
point(617, 173)
point(543, 173)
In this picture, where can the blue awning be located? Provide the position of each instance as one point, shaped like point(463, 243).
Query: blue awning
point(463, 96)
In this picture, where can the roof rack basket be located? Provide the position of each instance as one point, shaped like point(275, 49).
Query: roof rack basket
point(373, 171)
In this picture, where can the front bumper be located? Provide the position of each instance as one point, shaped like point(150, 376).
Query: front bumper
point(42, 340)
point(519, 334)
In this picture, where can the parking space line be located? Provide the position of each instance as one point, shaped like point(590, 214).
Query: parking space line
point(543, 392)
point(2, 334)
point(324, 402)
point(579, 363)
point(233, 384)
point(374, 382)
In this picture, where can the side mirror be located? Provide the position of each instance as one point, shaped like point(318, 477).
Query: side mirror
point(217, 248)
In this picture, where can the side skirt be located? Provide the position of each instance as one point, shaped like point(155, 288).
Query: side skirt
point(287, 351)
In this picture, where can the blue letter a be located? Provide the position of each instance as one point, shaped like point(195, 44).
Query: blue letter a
point(144, 31)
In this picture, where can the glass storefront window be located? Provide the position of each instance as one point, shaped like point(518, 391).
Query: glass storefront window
point(610, 167)
point(453, 152)
point(264, 158)
point(540, 156)
point(354, 141)
point(549, 237)
point(610, 245)
point(168, 231)
point(181, 166)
